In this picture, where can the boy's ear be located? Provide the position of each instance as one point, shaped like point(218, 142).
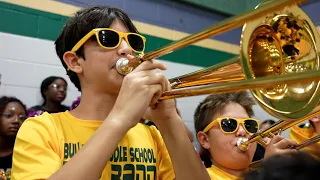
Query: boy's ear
point(72, 60)
point(203, 139)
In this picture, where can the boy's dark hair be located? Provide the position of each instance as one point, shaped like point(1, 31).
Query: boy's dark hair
point(215, 104)
point(81, 23)
point(297, 166)
point(5, 100)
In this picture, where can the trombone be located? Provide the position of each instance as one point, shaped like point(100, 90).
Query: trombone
point(278, 62)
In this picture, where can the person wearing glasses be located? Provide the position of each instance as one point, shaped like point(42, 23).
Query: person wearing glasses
point(53, 91)
point(220, 120)
point(12, 114)
point(102, 137)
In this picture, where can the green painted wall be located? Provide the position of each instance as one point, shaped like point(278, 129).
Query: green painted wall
point(43, 25)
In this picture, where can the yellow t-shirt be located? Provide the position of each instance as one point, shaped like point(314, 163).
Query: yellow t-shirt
point(302, 134)
point(44, 143)
point(218, 174)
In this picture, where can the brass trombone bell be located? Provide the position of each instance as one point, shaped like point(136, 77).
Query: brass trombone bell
point(278, 61)
point(279, 47)
point(291, 47)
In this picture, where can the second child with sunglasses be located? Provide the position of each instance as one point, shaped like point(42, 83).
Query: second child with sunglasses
point(220, 120)
point(102, 137)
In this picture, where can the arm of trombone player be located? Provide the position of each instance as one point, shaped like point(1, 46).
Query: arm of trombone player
point(185, 160)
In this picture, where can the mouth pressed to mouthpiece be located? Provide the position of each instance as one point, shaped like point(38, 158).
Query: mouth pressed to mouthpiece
point(123, 67)
point(240, 145)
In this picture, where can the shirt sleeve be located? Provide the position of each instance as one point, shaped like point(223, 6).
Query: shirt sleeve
point(302, 134)
point(36, 153)
point(165, 167)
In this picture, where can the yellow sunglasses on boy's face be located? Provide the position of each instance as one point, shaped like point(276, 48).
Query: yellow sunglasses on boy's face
point(110, 39)
point(231, 124)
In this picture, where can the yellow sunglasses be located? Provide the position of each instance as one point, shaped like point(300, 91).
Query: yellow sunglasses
point(230, 124)
point(110, 39)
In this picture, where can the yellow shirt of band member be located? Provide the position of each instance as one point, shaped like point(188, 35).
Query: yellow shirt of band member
point(217, 174)
point(302, 134)
point(44, 143)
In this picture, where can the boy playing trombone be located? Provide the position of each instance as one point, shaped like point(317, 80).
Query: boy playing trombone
point(220, 120)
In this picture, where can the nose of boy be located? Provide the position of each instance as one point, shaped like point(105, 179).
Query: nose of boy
point(124, 49)
point(241, 132)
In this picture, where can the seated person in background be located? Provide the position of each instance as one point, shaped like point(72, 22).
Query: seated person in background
point(53, 91)
point(298, 166)
point(259, 154)
point(305, 132)
point(220, 120)
point(12, 114)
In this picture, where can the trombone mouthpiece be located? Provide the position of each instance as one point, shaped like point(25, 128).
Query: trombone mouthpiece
point(242, 145)
point(123, 67)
